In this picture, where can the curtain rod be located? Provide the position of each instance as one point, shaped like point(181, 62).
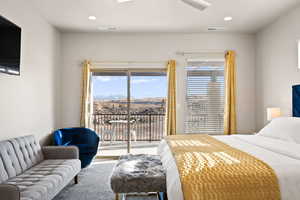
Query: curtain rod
point(182, 53)
point(128, 62)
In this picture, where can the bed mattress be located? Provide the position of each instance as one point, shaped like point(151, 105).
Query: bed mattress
point(283, 157)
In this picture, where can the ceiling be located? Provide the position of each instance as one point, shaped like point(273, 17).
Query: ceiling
point(161, 15)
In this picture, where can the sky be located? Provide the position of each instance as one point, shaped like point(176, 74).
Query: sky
point(141, 86)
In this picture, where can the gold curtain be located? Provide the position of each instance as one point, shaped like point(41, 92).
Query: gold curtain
point(86, 95)
point(171, 99)
point(230, 94)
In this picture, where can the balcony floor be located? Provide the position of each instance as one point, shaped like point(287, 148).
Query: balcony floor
point(118, 148)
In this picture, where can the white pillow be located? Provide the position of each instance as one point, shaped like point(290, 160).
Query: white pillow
point(283, 128)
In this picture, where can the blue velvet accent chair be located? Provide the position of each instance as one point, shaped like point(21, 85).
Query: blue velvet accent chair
point(85, 139)
point(296, 101)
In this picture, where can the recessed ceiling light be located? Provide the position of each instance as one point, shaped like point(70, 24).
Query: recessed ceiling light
point(92, 17)
point(123, 1)
point(107, 28)
point(228, 18)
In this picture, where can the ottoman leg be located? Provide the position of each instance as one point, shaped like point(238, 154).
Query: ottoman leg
point(76, 179)
point(117, 196)
point(162, 196)
point(165, 196)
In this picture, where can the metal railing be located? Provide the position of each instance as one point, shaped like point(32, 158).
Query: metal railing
point(143, 127)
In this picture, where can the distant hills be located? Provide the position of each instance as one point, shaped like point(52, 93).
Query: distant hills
point(121, 99)
point(138, 106)
point(110, 97)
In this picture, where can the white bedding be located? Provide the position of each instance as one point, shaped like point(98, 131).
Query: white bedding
point(283, 157)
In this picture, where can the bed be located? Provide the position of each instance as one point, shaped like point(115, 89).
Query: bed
point(277, 145)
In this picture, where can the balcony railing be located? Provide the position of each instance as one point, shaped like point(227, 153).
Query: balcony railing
point(146, 127)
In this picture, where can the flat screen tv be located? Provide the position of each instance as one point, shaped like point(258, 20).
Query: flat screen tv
point(10, 47)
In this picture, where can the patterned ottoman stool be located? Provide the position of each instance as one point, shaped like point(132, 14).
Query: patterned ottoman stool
point(139, 174)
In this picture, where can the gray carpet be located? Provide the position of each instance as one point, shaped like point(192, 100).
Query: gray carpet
point(94, 184)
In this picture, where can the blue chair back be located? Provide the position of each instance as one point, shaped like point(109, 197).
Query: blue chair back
point(296, 101)
point(73, 136)
point(85, 139)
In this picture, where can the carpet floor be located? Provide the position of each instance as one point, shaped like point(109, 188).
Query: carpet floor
point(94, 184)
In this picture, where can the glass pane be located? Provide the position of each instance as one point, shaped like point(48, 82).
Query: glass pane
point(147, 108)
point(110, 112)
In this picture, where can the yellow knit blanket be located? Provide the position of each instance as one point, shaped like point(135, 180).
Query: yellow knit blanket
point(212, 170)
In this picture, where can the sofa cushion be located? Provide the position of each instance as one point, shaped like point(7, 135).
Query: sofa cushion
point(45, 180)
point(9, 164)
point(28, 151)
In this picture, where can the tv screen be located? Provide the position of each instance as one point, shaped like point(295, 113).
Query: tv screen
point(10, 47)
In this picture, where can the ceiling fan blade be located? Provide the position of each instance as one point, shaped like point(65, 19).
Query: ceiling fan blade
point(199, 4)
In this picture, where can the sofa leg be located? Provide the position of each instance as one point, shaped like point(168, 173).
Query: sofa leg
point(76, 179)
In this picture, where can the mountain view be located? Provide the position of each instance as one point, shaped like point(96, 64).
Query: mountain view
point(148, 94)
point(147, 107)
point(138, 106)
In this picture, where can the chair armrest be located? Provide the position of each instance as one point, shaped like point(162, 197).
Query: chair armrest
point(9, 192)
point(60, 152)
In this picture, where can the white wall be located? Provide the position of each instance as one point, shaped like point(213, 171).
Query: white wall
point(276, 67)
point(46, 96)
point(144, 47)
point(28, 104)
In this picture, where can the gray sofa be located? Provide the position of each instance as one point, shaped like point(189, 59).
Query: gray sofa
point(31, 172)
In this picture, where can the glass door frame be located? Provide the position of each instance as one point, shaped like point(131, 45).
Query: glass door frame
point(128, 72)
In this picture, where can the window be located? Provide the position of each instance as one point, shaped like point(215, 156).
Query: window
point(205, 97)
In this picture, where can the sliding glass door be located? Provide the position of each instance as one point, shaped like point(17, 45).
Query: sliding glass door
point(110, 110)
point(147, 109)
point(129, 109)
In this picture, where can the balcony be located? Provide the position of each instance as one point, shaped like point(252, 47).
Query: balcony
point(113, 127)
point(146, 130)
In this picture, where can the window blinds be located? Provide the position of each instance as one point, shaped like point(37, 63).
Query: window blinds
point(205, 97)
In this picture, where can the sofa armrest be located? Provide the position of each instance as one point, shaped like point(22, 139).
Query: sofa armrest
point(60, 152)
point(9, 192)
